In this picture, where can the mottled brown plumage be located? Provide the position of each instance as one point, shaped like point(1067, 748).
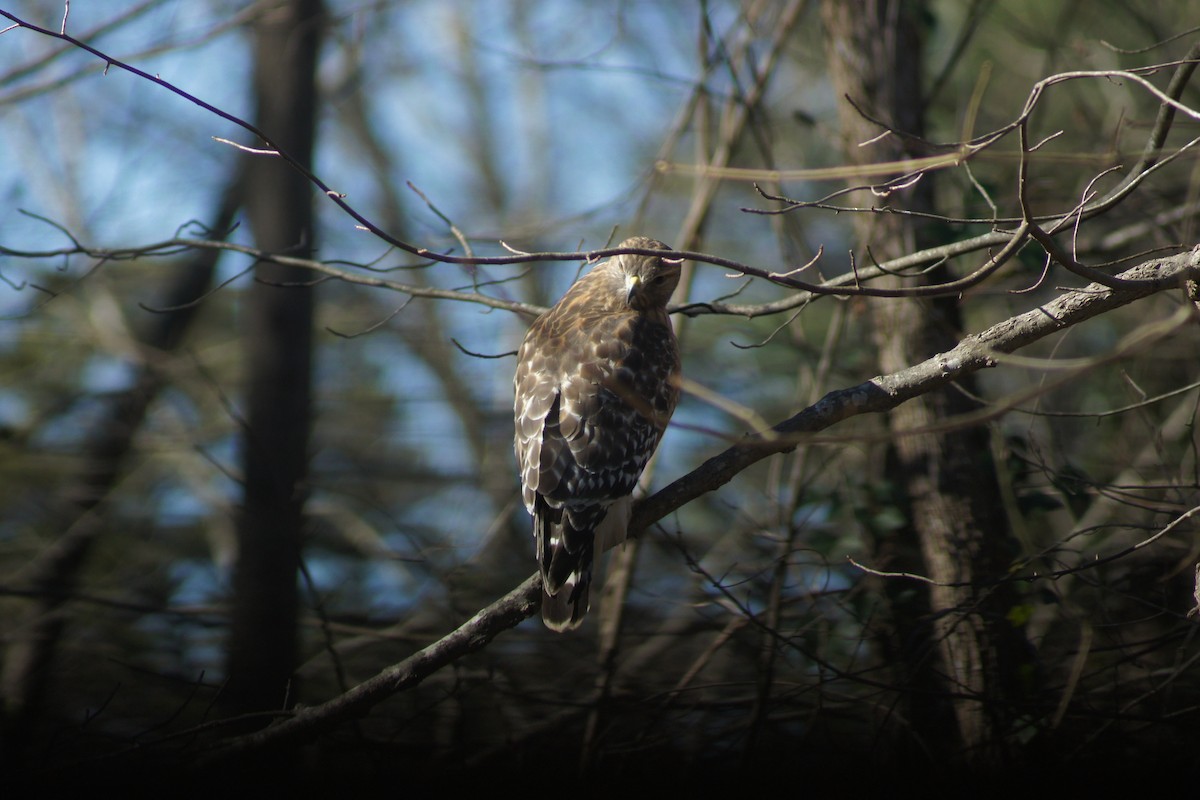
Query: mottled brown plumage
point(597, 380)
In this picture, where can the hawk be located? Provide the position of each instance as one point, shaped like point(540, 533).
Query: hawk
point(597, 380)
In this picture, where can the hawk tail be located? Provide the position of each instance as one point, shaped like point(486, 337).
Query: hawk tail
point(565, 610)
point(565, 554)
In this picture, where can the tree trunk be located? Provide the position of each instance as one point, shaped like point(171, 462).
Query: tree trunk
point(948, 479)
point(279, 316)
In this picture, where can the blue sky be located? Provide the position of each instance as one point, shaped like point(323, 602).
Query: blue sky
point(567, 103)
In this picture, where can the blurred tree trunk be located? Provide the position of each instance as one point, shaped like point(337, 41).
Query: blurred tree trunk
point(279, 317)
point(948, 479)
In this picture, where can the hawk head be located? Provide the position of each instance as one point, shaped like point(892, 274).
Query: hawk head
point(645, 281)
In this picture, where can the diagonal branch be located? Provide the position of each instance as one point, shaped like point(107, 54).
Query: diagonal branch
point(974, 353)
point(475, 634)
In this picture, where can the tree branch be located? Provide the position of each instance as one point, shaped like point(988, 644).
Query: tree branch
point(976, 352)
point(882, 393)
point(846, 286)
point(475, 634)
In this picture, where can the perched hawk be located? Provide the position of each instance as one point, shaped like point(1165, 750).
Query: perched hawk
point(597, 379)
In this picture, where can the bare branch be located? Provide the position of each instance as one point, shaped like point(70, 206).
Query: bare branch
point(965, 150)
point(973, 353)
point(475, 634)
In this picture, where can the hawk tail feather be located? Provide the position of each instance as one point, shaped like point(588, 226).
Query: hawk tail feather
point(565, 555)
point(565, 611)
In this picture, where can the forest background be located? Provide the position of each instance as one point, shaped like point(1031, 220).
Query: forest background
point(928, 503)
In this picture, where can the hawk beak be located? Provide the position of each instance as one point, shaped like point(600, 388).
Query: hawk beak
point(633, 285)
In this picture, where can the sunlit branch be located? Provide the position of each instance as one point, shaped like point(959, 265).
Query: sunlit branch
point(846, 284)
point(1150, 161)
point(974, 353)
point(846, 287)
point(172, 247)
point(882, 393)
